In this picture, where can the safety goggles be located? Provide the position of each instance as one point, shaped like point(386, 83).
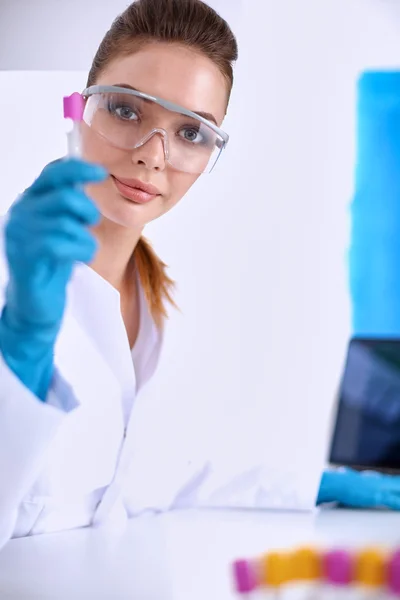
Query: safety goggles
point(127, 119)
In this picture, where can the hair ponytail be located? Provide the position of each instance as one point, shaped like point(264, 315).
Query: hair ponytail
point(156, 284)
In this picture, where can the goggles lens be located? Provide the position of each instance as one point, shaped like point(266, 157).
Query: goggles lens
point(128, 121)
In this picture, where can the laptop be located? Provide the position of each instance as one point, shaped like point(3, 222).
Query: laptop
point(366, 420)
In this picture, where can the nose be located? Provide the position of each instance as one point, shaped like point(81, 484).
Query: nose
point(151, 152)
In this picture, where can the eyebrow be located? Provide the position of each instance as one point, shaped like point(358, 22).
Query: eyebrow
point(205, 115)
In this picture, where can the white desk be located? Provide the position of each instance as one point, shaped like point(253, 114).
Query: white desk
point(176, 556)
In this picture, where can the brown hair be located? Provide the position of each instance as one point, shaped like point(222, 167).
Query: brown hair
point(188, 22)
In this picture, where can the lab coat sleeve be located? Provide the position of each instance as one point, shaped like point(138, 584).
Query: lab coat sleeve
point(27, 427)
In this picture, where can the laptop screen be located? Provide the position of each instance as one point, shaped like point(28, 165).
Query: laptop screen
point(367, 429)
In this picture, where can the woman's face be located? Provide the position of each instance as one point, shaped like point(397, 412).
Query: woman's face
point(171, 72)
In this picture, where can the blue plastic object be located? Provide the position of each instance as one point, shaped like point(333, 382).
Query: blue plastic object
point(374, 254)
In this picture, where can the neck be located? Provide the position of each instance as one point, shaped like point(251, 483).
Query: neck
point(116, 245)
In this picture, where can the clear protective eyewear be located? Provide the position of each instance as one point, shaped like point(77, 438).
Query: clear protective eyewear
point(128, 118)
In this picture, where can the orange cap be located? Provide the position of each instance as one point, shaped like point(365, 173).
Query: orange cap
point(275, 569)
point(306, 564)
point(370, 567)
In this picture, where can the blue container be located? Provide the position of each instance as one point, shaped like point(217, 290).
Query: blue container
point(374, 253)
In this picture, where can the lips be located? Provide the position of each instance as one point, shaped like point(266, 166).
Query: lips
point(135, 189)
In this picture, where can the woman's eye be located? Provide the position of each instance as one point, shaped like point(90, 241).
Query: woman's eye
point(191, 135)
point(126, 113)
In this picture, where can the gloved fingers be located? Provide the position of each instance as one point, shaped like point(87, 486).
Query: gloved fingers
point(23, 233)
point(68, 172)
point(72, 202)
point(393, 483)
point(387, 483)
point(359, 500)
point(389, 500)
point(62, 246)
point(50, 237)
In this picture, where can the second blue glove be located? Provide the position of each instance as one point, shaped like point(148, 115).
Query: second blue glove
point(360, 490)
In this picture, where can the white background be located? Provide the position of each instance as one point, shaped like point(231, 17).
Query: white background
point(258, 248)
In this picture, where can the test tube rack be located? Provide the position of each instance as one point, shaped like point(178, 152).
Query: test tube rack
point(370, 572)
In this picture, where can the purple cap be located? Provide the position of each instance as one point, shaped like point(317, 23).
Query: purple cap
point(338, 567)
point(245, 576)
point(73, 107)
point(393, 572)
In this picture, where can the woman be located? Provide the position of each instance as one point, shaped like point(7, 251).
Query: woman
point(78, 342)
point(83, 294)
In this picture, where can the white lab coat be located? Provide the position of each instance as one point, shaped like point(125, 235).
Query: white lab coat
point(72, 461)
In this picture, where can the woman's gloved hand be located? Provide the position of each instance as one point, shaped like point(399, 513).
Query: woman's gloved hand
point(360, 490)
point(47, 231)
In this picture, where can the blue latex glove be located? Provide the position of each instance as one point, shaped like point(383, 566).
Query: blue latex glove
point(45, 234)
point(360, 490)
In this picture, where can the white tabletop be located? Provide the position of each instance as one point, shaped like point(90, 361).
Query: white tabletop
point(175, 556)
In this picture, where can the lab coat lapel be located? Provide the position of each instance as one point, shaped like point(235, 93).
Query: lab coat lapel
point(81, 364)
point(93, 317)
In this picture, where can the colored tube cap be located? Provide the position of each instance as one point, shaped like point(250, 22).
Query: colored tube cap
point(74, 107)
point(370, 568)
point(393, 573)
point(244, 574)
point(305, 565)
point(275, 569)
point(338, 567)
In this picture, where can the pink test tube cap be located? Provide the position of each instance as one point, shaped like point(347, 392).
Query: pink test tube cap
point(245, 576)
point(393, 572)
point(338, 567)
point(73, 107)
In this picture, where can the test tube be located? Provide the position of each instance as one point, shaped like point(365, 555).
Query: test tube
point(370, 574)
point(74, 107)
point(393, 576)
